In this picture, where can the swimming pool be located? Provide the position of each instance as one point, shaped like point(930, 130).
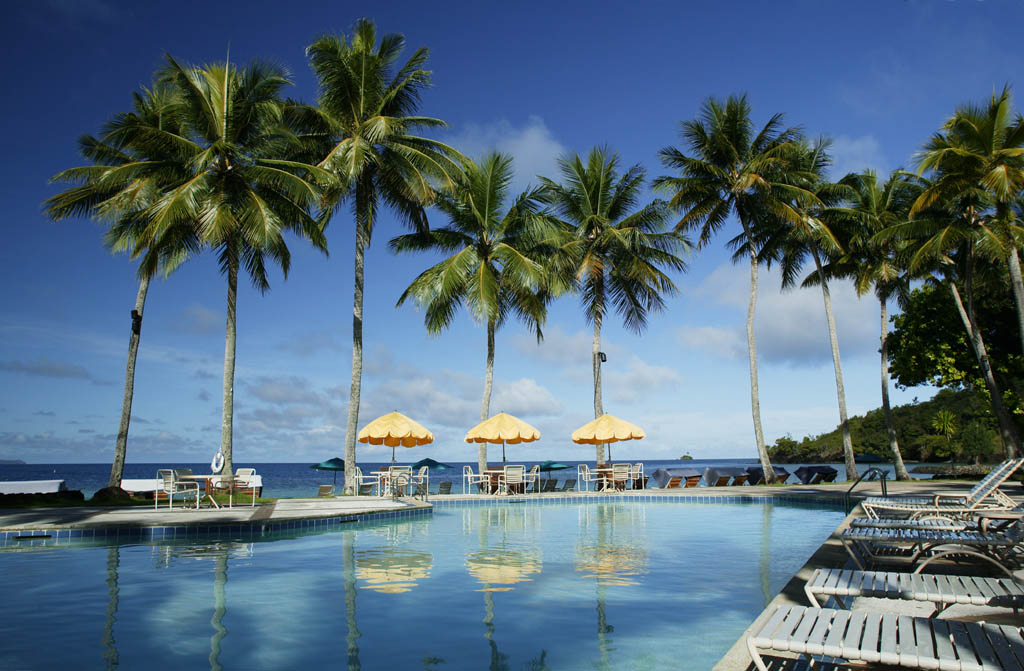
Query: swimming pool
point(514, 586)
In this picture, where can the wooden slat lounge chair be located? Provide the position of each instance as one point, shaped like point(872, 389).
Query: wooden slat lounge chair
point(568, 486)
point(919, 547)
point(942, 590)
point(985, 495)
point(889, 639)
point(692, 481)
point(444, 487)
point(325, 490)
point(674, 482)
point(823, 478)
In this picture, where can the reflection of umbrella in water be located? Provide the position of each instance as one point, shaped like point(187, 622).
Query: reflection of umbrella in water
point(611, 565)
point(502, 428)
point(395, 429)
point(392, 570)
point(607, 429)
point(336, 464)
point(431, 464)
point(501, 568)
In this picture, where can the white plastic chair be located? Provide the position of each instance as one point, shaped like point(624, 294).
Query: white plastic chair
point(469, 478)
point(637, 475)
point(533, 475)
point(620, 476)
point(511, 477)
point(171, 485)
point(584, 475)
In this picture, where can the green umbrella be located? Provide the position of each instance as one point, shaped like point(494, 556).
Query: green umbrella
point(431, 464)
point(336, 464)
point(548, 466)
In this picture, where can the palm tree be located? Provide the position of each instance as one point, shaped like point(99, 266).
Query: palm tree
point(813, 233)
point(237, 192)
point(497, 262)
point(874, 264)
point(366, 116)
point(119, 187)
point(982, 147)
point(619, 252)
point(944, 423)
point(733, 170)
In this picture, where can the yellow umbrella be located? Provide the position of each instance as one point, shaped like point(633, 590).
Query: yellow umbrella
point(395, 429)
point(607, 429)
point(502, 428)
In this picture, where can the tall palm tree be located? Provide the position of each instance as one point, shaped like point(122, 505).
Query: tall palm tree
point(238, 192)
point(367, 117)
point(982, 147)
point(122, 183)
point(733, 170)
point(497, 262)
point(813, 234)
point(620, 250)
point(875, 265)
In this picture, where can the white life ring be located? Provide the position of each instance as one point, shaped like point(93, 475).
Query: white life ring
point(218, 462)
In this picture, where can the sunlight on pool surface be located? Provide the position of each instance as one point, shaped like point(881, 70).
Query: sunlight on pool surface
point(602, 585)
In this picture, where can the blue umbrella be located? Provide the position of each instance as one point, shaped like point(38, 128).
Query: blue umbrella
point(431, 464)
point(336, 464)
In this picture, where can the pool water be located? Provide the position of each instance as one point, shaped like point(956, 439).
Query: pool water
point(621, 585)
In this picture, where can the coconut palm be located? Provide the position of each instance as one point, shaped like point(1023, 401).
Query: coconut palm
point(874, 264)
point(982, 147)
point(238, 192)
point(734, 170)
point(496, 267)
point(367, 118)
point(122, 183)
point(619, 250)
point(813, 234)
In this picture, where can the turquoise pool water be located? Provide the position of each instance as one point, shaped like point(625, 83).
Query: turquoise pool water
point(513, 586)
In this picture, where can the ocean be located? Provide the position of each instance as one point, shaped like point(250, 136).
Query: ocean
point(299, 480)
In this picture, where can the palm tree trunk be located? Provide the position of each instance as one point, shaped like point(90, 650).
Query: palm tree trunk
point(362, 238)
point(755, 400)
point(485, 405)
point(894, 446)
point(121, 445)
point(228, 411)
point(833, 339)
point(598, 403)
point(1006, 428)
point(1018, 291)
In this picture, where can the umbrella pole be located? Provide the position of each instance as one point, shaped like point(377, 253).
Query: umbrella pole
point(503, 452)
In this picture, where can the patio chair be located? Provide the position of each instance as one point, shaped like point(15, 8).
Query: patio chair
point(942, 590)
point(568, 486)
point(920, 547)
point(985, 495)
point(511, 478)
point(585, 475)
point(533, 475)
point(469, 478)
point(549, 485)
point(886, 638)
point(170, 485)
point(422, 477)
point(420, 491)
point(364, 481)
point(620, 476)
point(325, 490)
point(637, 476)
point(444, 487)
point(398, 480)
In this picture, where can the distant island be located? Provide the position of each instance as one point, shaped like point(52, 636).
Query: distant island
point(686, 457)
point(11, 461)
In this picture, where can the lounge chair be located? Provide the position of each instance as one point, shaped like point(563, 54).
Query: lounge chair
point(942, 590)
point(325, 490)
point(366, 490)
point(170, 485)
point(920, 547)
point(985, 495)
point(756, 474)
point(721, 476)
point(887, 638)
point(549, 485)
point(568, 486)
point(673, 483)
point(662, 477)
point(812, 475)
point(981, 520)
point(444, 487)
point(469, 478)
point(823, 478)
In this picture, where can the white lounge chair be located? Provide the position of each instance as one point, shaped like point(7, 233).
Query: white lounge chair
point(887, 638)
point(984, 495)
point(942, 590)
point(920, 546)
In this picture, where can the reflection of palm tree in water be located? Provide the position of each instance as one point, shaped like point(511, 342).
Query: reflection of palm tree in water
point(766, 553)
point(349, 576)
point(220, 606)
point(109, 647)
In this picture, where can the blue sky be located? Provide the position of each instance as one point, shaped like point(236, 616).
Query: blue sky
point(536, 80)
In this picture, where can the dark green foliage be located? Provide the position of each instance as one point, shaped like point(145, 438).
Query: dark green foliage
point(919, 441)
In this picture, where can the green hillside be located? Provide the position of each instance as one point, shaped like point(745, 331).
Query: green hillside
point(954, 425)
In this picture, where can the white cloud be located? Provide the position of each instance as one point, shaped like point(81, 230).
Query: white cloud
point(639, 380)
point(534, 147)
point(856, 154)
point(198, 320)
point(790, 326)
point(524, 397)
